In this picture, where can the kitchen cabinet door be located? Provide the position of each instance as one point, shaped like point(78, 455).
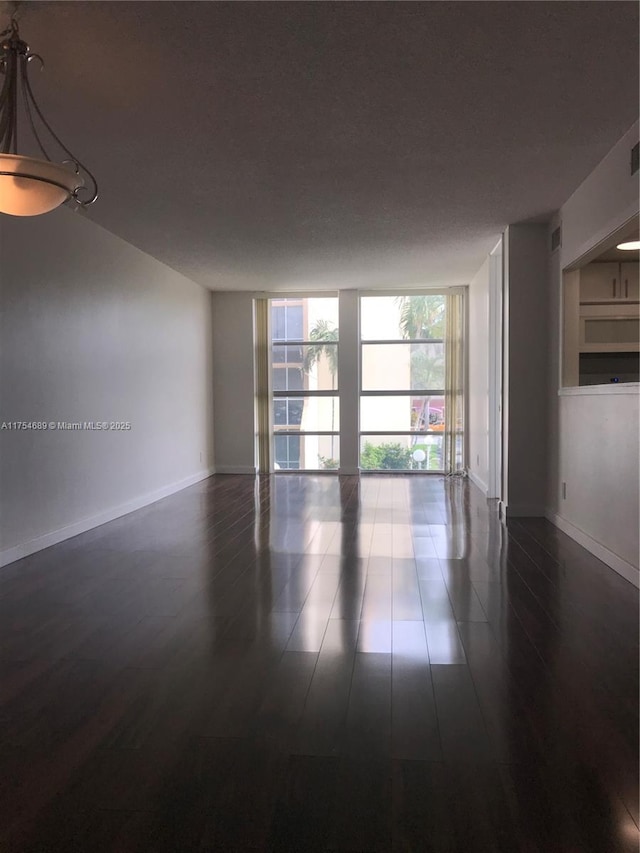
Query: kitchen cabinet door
point(599, 282)
point(630, 282)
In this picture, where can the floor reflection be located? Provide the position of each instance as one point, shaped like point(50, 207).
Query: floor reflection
point(374, 648)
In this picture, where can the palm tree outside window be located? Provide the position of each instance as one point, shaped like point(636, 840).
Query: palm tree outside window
point(324, 338)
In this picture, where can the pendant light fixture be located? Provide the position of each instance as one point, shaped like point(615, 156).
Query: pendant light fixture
point(29, 185)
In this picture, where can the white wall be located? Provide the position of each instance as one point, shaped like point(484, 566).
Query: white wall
point(95, 330)
point(478, 384)
point(602, 203)
point(526, 335)
point(233, 383)
point(598, 460)
point(593, 445)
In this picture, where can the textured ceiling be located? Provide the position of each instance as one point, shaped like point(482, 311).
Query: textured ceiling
point(631, 232)
point(266, 145)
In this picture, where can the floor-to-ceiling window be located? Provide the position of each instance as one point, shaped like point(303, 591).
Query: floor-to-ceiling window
point(402, 396)
point(304, 383)
point(402, 385)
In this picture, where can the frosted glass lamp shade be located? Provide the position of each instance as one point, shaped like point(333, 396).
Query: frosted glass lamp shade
point(29, 187)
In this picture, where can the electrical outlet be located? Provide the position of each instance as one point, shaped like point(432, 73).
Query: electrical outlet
point(564, 491)
point(478, 460)
point(201, 456)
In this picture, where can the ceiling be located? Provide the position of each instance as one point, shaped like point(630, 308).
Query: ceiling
point(268, 145)
point(611, 253)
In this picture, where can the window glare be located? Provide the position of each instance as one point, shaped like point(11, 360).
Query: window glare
point(402, 317)
point(414, 420)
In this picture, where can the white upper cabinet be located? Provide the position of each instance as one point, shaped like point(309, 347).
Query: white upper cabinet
point(599, 282)
point(630, 281)
point(609, 282)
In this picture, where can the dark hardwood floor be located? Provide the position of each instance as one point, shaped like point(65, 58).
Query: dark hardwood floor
point(304, 663)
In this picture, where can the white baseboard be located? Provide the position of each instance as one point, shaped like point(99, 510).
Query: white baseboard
point(478, 482)
point(525, 511)
point(236, 469)
point(628, 571)
point(17, 552)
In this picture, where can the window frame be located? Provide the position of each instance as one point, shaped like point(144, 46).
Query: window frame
point(406, 392)
point(297, 394)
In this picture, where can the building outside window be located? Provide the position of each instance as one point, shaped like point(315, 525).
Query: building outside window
point(304, 383)
point(402, 397)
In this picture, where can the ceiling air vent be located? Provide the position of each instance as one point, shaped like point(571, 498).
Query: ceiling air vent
point(556, 238)
point(635, 158)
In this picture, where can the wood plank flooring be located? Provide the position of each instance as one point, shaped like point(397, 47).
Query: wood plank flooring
point(312, 663)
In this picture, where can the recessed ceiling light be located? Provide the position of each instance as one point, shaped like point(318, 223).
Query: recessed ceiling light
point(632, 246)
